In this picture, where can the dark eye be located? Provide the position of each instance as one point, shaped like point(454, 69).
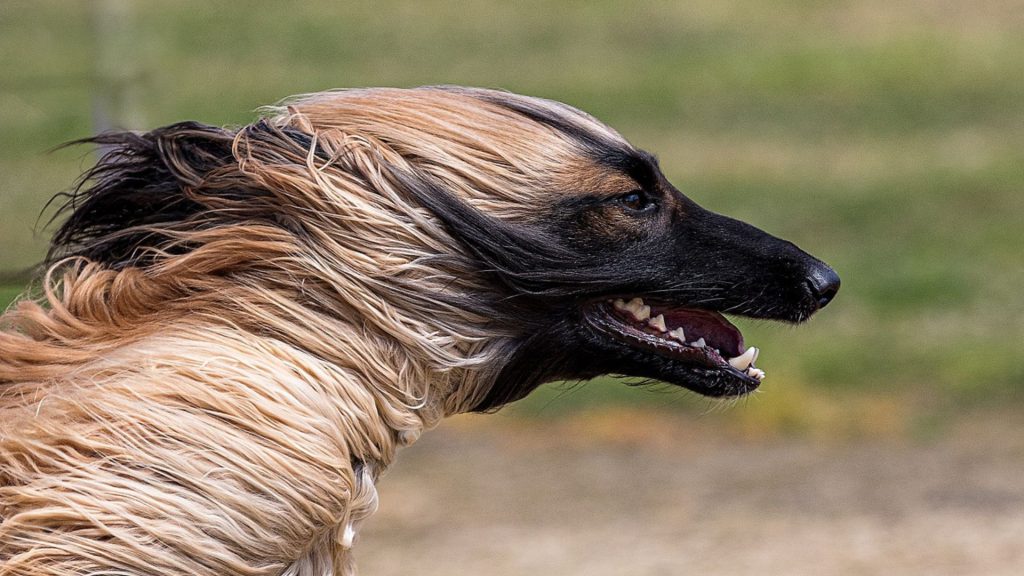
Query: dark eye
point(636, 201)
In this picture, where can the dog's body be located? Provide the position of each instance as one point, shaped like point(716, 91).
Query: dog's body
point(240, 328)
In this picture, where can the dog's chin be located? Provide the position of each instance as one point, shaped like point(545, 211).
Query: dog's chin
point(696, 349)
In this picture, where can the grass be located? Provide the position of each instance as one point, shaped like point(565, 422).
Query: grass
point(8, 295)
point(885, 137)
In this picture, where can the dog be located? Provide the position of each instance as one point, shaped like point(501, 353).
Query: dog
point(238, 328)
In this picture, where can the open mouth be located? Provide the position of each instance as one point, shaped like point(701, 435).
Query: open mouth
point(701, 340)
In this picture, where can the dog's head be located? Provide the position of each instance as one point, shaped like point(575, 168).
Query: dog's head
point(543, 226)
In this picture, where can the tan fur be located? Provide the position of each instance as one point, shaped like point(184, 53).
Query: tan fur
point(226, 410)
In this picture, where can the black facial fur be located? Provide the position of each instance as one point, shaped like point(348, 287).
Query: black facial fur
point(544, 275)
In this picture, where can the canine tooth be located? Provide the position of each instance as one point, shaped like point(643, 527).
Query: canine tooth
point(678, 334)
point(698, 343)
point(742, 362)
point(658, 322)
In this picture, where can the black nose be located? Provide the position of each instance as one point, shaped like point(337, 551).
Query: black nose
point(824, 283)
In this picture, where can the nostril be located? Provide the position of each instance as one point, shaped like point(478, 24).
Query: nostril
point(824, 284)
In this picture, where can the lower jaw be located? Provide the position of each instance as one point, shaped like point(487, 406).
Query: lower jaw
point(709, 373)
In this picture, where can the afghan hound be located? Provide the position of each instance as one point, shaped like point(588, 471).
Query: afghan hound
point(238, 328)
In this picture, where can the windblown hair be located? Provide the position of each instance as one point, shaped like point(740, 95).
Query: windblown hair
point(238, 328)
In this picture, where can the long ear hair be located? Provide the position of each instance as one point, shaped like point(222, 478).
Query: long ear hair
point(283, 209)
point(527, 259)
point(151, 190)
point(216, 209)
point(139, 189)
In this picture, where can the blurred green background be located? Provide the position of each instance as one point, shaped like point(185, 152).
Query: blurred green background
point(885, 137)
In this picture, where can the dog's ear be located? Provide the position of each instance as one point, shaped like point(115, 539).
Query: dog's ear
point(139, 186)
point(521, 257)
point(526, 259)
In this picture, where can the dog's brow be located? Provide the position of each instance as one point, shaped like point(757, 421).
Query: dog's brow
point(639, 165)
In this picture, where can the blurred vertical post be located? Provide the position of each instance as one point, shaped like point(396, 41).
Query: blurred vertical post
point(118, 67)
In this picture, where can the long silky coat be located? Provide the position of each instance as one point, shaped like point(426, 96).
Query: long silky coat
point(238, 328)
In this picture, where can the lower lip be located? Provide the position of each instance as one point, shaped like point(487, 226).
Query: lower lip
point(706, 357)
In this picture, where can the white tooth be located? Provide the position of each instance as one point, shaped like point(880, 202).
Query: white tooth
point(742, 361)
point(619, 304)
point(658, 322)
point(757, 352)
point(698, 343)
point(678, 334)
point(756, 373)
point(637, 309)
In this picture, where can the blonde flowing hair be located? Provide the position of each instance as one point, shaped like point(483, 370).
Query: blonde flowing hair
point(238, 328)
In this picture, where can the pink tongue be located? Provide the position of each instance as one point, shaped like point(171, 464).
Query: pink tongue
point(716, 331)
